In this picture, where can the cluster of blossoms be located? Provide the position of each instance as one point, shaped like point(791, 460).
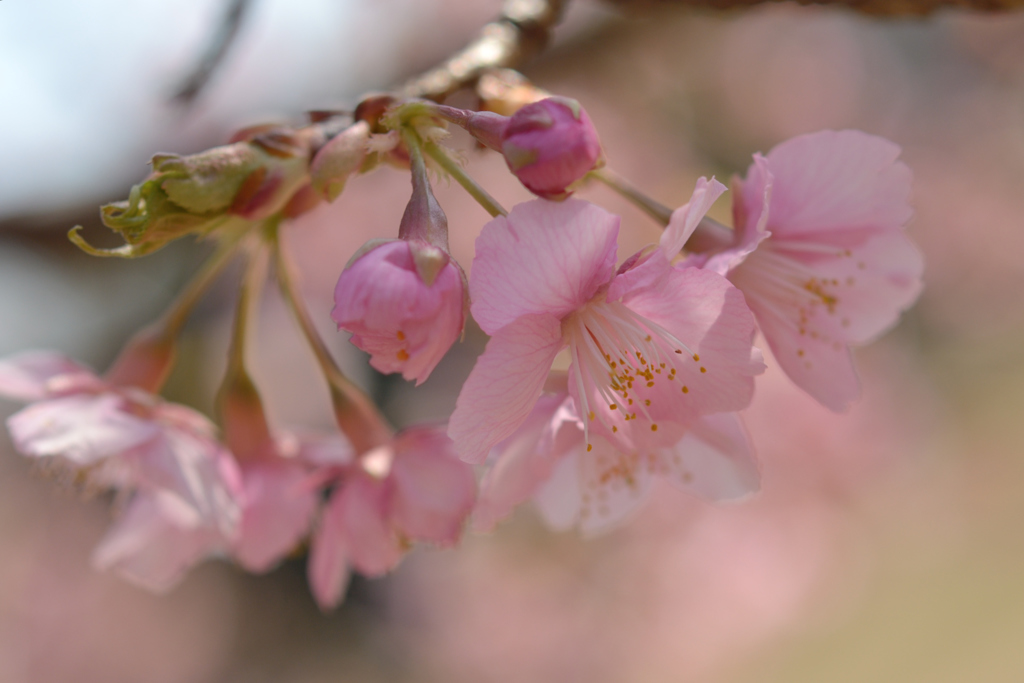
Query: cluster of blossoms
point(601, 374)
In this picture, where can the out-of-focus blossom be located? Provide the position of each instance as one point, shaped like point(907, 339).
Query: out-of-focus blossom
point(650, 344)
point(547, 460)
point(405, 323)
point(550, 145)
point(411, 489)
point(821, 255)
point(157, 539)
point(118, 436)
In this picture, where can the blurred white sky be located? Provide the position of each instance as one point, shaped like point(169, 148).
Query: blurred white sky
point(84, 86)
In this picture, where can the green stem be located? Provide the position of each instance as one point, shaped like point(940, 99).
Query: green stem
point(356, 414)
point(490, 204)
point(655, 210)
point(177, 315)
point(248, 298)
point(246, 431)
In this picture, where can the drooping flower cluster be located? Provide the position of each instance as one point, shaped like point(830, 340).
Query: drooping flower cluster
point(601, 376)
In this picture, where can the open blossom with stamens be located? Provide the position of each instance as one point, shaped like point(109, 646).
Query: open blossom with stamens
point(546, 460)
point(118, 436)
point(411, 489)
point(821, 255)
point(649, 343)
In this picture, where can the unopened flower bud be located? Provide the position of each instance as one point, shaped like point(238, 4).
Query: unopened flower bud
point(403, 321)
point(250, 179)
point(550, 145)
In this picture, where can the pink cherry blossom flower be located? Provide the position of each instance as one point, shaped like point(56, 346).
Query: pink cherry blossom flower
point(405, 323)
point(550, 145)
point(821, 255)
point(547, 460)
point(120, 437)
point(648, 343)
point(412, 489)
point(158, 538)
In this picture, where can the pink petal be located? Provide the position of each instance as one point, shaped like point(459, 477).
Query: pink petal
point(812, 307)
point(277, 514)
point(870, 285)
point(156, 540)
point(327, 568)
point(543, 258)
point(83, 428)
point(35, 375)
point(559, 498)
point(406, 325)
point(715, 460)
point(822, 368)
point(834, 181)
point(613, 485)
point(197, 469)
point(371, 543)
point(432, 490)
point(525, 460)
point(707, 314)
point(685, 219)
point(750, 220)
point(504, 385)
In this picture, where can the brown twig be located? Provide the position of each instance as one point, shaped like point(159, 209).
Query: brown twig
point(215, 52)
point(882, 8)
point(522, 31)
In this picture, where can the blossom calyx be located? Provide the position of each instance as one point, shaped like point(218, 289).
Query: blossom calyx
point(550, 145)
point(251, 179)
point(339, 159)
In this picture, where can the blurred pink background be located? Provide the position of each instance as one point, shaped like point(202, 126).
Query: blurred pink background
point(887, 543)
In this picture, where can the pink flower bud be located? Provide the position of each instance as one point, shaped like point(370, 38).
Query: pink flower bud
point(404, 323)
point(550, 145)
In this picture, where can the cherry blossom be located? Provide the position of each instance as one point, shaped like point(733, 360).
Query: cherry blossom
point(648, 343)
point(157, 538)
point(547, 460)
point(411, 489)
point(119, 436)
point(821, 255)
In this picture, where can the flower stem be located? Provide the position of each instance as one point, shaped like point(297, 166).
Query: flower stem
point(147, 358)
point(175, 317)
point(490, 204)
point(652, 208)
point(246, 431)
point(355, 413)
point(710, 235)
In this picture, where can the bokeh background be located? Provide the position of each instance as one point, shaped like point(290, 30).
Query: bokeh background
point(887, 544)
